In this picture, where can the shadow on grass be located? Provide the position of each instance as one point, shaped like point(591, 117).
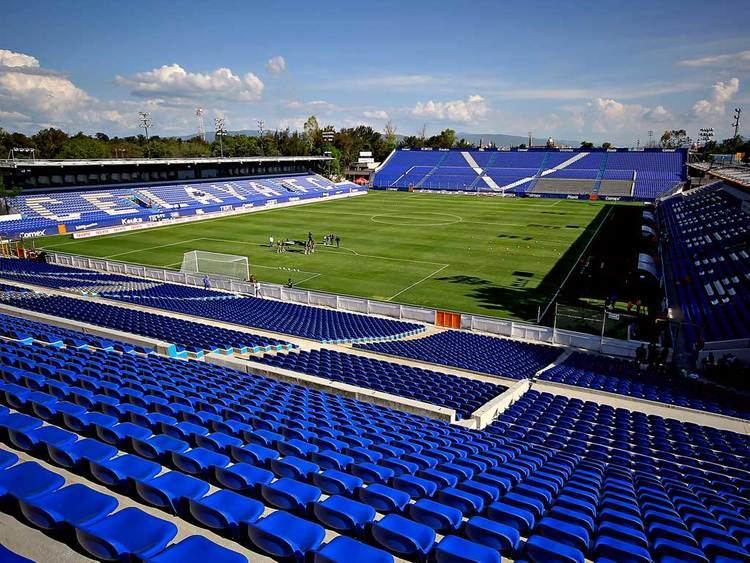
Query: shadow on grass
point(519, 301)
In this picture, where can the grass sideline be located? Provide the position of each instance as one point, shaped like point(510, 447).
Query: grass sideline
point(493, 256)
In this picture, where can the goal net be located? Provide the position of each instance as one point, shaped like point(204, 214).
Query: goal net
point(227, 265)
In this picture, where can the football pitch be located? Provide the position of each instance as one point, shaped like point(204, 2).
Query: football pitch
point(483, 255)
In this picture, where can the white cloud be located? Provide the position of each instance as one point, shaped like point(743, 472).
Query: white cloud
point(376, 114)
point(721, 93)
point(741, 59)
point(13, 116)
point(174, 81)
point(276, 65)
point(24, 87)
point(608, 116)
point(17, 60)
point(474, 108)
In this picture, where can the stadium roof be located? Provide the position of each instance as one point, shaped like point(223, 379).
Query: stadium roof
point(26, 163)
point(733, 174)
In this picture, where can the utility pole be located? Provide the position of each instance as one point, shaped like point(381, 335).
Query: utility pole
point(145, 122)
point(736, 123)
point(261, 123)
point(220, 132)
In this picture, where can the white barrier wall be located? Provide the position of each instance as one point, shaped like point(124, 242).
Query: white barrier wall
point(499, 327)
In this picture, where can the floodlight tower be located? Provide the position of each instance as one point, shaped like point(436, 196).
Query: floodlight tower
point(736, 122)
point(261, 123)
point(220, 132)
point(201, 128)
point(650, 139)
point(705, 135)
point(144, 119)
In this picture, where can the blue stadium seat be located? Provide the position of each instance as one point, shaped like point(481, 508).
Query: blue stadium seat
point(344, 515)
point(125, 534)
point(289, 494)
point(403, 537)
point(333, 482)
point(223, 511)
point(440, 517)
point(284, 536)
point(77, 455)
point(505, 539)
point(384, 499)
point(243, 478)
point(122, 471)
point(171, 491)
point(73, 506)
point(27, 480)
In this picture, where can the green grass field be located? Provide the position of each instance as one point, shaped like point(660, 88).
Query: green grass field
point(494, 256)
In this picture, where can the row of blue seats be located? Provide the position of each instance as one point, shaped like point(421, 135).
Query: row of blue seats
point(701, 452)
point(289, 318)
point(40, 498)
point(625, 378)
point(655, 172)
point(26, 433)
point(24, 329)
point(475, 352)
point(194, 337)
point(521, 477)
point(705, 229)
point(459, 393)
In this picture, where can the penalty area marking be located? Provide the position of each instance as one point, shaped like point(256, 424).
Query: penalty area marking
point(418, 282)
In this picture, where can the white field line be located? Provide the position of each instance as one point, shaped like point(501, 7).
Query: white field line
point(152, 248)
point(418, 282)
point(308, 278)
point(575, 264)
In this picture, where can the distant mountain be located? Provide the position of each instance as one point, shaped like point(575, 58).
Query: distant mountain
point(502, 140)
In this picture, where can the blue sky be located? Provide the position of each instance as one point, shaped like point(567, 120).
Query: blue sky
point(604, 70)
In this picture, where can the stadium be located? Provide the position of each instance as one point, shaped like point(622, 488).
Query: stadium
point(342, 345)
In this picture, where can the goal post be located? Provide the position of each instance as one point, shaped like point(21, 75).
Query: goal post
point(215, 263)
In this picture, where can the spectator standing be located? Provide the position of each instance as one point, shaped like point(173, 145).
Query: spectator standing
point(206, 282)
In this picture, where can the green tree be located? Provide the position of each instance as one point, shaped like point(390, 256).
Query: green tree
point(49, 142)
point(587, 145)
point(444, 140)
point(607, 145)
point(83, 147)
point(312, 133)
point(674, 139)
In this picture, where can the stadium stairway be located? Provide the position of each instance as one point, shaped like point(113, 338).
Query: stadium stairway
point(431, 172)
point(483, 178)
point(600, 175)
point(542, 168)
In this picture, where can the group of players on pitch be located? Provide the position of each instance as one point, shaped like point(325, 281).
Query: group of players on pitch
point(281, 246)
